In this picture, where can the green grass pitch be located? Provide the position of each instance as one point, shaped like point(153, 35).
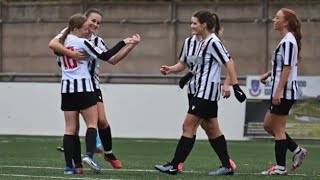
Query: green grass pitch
point(35, 157)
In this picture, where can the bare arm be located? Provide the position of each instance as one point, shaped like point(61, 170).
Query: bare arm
point(57, 47)
point(238, 93)
point(231, 72)
point(180, 66)
point(227, 80)
point(121, 54)
point(284, 78)
point(226, 87)
point(265, 76)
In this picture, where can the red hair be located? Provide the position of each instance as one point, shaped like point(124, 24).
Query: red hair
point(294, 26)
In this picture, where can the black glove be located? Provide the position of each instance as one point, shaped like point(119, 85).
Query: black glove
point(184, 80)
point(240, 95)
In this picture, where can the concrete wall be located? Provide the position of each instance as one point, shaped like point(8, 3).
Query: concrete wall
point(134, 111)
point(27, 30)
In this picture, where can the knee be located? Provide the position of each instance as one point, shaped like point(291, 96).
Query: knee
point(212, 131)
point(187, 129)
point(71, 130)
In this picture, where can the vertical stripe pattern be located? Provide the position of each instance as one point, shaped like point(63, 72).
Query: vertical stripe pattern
point(187, 55)
point(285, 55)
point(213, 55)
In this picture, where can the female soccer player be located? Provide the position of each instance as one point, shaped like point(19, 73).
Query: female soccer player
point(285, 61)
point(94, 16)
point(77, 90)
point(209, 58)
point(187, 56)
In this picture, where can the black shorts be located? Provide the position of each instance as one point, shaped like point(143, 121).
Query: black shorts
point(283, 108)
point(203, 108)
point(77, 101)
point(98, 95)
point(190, 97)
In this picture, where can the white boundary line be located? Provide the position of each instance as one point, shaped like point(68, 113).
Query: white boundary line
point(133, 170)
point(52, 177)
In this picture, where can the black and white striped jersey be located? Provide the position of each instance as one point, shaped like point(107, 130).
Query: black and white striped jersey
point(211, 56)
point(75, 75)
point(95, 64)
point(286, 54)
point(188, 55)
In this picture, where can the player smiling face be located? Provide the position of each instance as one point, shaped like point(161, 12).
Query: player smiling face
point(196, 27)
point(94, 20)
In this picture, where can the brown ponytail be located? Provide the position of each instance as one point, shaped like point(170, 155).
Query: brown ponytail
point(64, 35)
point(298, 35)
point(75, 21)
point(217, 27)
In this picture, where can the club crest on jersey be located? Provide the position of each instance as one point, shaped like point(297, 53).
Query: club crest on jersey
point(255, 88)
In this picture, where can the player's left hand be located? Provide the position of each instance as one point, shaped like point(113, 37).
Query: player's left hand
point(185, 79)
point(240, 95)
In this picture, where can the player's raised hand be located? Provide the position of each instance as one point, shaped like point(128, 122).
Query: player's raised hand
point(129, 40)
point(136, 38)
point(165, 70)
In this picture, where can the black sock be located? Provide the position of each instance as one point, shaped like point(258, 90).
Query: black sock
point(219, 145)
point(281, 151)
point(91, 136)
point(193, 141)
point(183, 149)
point(292, 145)
point(68, 149)
point(106, 138)
point(77, 152)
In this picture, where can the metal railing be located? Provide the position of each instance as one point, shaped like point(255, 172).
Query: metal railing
point(104, 78)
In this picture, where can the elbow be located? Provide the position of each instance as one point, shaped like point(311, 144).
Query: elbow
point(54, 43)
point(50, 45)
point(231, 62)
point(112, 62)
point(107, 60)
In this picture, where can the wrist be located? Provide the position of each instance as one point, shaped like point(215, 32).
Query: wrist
point(236, 85)
point(71, 54)
point(278, 90)
point(269, 73)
